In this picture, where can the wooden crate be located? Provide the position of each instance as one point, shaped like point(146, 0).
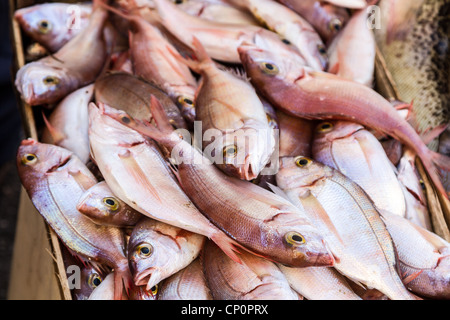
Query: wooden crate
point(38, 270)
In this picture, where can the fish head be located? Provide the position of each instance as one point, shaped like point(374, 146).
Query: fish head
point(150, 254)
point(300, 171)
point(265, 66)
point(35, 159)
point(100, 204)
point(330, 20)
point(38, 83)
point(243, 153)
point(332, 130)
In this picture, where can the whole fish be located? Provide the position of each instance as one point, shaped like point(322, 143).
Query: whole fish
point(153, 60)
point(215, 10)
point(424, 257)
point(75, 65)
point(127, 92)
point(53, 24)
point(105, 290)
point(157, 250)
point(187, 284)
point(325, 17)
point(54, 178)
point(319, 283)
point(296, 135)
point(315, 95)
point(292, 28)
point(136, 171)
point(220, 40)
point(259, 220)
point(67, 125)
point(254, 279)
point(235, 128)
point(413, 40)
point(100, 205)
point(410, 181)
point(349, 222)
point(352, 51)
point(356, 153)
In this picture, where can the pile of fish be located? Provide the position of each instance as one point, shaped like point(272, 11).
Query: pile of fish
point(230, 149)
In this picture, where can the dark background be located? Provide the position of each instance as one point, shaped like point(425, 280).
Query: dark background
point(11, 134)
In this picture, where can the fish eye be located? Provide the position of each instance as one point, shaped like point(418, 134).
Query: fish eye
point(322, 50)
point(302, 161)
point(294, 238)
point(186, 101)
point(44, 26)
point(144, 250)
point(230, 151)
point(29, 158)
point(271, 121)
point(325, 127)
point(154, 290)
point(179, 1)
point(335, 25)
point(50, 80)
point(94, 280)
point(269, 68)
point(286, 41)
point(125, 119)
point(111, 203)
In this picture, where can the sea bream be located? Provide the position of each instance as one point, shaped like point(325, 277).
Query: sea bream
point(54, 179)
point(307, 94)
point(259, 220)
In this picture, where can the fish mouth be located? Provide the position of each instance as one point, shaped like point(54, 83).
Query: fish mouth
point(149, 278)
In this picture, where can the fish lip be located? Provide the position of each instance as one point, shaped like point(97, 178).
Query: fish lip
point(143, 278)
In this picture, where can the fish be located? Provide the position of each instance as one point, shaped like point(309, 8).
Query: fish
point(319, 283)
point(105, 290)
point(54, 178)
point(67, 125)
point(220, 40)
point(235, 128)
point(157, 250)
point(412, 187)
point(132, 94)
point(187, 284)
point(348, 220)
point(218, 11)
point(258, 220)
point(52, 25)
point(323, 96)
point(352, 52)
point(296, 135)
point(152, 59)
point(413, 40)
point(424, 257)
point(137, 173)
point(254, 279)
point(100, 205)
point(326, 18)
point(356, 153)
point(292, 28)
point(76, 64)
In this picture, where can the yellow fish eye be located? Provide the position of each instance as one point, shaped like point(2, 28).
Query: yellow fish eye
point(44, 26)
point(154, 290)
point(269, 68)
point(294, 238)
point(50, 80)
point(230, 151)
point(94, 280)
point(144, 250)
point(302, 162)
point(111, 203)
point(322, 50)
point(185, 101)
point(29, 158)
point(335, 25)
point(325, 127)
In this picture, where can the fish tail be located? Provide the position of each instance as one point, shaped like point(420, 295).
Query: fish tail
point(432, 161)
point(56, 134)
point(227, 245)
point(201, 56)
point(122, 280)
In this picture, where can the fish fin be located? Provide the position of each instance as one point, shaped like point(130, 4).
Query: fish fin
point(122, 280)
point(56, 134)
point(411, 277)
point(278, 191)
point(431, 134)
point(201, 56)
point(227, 245)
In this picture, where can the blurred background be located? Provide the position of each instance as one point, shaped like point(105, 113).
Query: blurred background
point(10, 136)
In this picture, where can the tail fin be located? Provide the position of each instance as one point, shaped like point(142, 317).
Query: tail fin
point(227, 245)
point(122, 280)
point(56, 134)
point(201, 56)
point(432, 161)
